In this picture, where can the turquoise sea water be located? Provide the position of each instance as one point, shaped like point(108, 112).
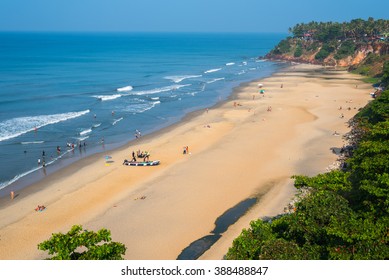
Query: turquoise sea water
point(59, 89)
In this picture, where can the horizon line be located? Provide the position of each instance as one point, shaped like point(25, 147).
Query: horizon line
point(142, 32)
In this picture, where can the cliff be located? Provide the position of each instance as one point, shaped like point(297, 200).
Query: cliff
point(362, 46)
point(364, 52)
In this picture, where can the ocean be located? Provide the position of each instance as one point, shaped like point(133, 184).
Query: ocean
point(64, 96)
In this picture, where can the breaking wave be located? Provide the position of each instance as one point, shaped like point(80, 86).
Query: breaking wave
point(141, 107)
point(117, 120)
point(107, 97)
point(158, 90)
point(212, 70)
point(178, 79)
point(86, 131)
point(15, 127)
point(32, 142)
point(126, 88)
point(215, 80)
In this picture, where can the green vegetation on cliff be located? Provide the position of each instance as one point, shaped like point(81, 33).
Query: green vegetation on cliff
point(361, 45)
point(345, 213)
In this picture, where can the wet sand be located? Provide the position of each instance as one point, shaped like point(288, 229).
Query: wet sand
point(235, 153)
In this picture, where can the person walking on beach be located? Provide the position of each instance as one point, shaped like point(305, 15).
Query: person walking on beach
point(133, 156)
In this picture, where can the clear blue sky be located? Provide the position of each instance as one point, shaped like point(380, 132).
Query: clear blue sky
point(180, 15)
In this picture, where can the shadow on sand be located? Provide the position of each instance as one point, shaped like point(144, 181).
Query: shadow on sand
point(198, 247)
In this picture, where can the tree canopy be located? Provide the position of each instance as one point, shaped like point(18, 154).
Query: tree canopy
point(79, 244)
point(355, 29)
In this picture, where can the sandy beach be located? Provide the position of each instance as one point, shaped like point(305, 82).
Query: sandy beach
point(246, 147)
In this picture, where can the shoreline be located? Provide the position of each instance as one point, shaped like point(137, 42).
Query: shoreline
point(187, 191)
point(71, 164)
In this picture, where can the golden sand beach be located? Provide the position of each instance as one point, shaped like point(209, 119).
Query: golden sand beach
point(246, 147)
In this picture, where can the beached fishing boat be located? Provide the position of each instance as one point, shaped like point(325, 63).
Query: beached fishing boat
point(141, 163)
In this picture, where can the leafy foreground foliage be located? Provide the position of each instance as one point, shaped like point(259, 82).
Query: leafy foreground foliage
point(346, 213)
point(79, 244)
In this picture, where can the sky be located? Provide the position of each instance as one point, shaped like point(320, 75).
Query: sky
point(179, 15)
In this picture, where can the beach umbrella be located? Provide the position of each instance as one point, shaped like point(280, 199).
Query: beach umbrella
point(106, 160)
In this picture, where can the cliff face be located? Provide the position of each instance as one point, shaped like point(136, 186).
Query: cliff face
point(365, 58)
point(309, 53)
point(378, 48)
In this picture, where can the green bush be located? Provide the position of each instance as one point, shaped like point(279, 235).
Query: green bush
point(313, 46)
point(283, 47)
point(95, 245)
point(324, 52)
point(385, 73)
point(298, 52)
point(346, 49)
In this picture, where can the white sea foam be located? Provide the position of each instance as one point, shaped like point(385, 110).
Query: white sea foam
point(159, 90)
point(127, 88)
point(15, 127)
point(212, 70)
point(86, 131)
point(82, 138)
point(117, 120)
point(32, 142)
point(107, 97)
point(178, 79)
point(96, 125)
point(215, 80)
point(230, 63)
point(155, 98)
point(141, 107)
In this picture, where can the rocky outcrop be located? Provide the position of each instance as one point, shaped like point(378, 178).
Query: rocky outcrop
point(360, 54)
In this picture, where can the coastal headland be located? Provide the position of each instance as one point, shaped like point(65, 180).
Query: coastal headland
point(246, 147)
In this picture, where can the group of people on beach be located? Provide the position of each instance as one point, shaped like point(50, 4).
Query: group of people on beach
point(145, 155)
point(42, 160)
point(72, 145)
point(40, 208)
